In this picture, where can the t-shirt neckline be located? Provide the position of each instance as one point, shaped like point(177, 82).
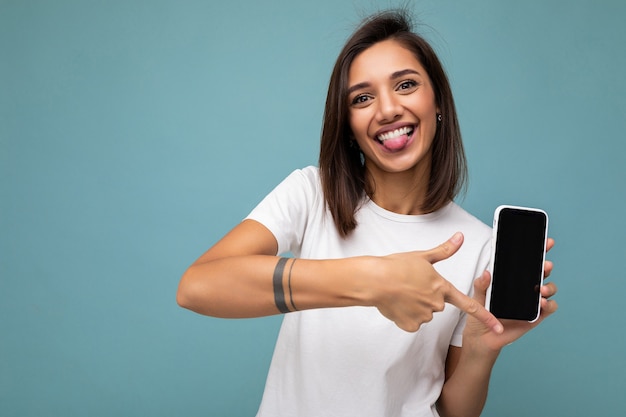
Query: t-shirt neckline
point(405, 218)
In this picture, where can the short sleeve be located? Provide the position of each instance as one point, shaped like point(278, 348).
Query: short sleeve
point(285, 210)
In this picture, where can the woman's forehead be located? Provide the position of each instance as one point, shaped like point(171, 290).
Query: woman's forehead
point(384, 59)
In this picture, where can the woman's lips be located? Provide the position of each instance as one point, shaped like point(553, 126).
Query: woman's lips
point(397, 139)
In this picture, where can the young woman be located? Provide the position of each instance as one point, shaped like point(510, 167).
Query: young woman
point(367, 331)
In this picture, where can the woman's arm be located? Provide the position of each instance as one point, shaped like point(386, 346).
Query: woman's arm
point(467, 381)
point(235, 278)
point(468, 369)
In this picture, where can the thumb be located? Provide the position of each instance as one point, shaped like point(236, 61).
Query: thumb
point(481, 284)
point(445, 250)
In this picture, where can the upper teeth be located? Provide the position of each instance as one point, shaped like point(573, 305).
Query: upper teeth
point(394, 133)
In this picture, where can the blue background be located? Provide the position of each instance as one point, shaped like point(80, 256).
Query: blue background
point(134, 134)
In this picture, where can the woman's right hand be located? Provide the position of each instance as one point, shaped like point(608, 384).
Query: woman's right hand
point(411, 290)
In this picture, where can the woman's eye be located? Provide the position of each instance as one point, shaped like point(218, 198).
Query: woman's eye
point(407, 85)
point(360, 99)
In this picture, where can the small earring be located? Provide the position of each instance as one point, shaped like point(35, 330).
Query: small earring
point(439, 117)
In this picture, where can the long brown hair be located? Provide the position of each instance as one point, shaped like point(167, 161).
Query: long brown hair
point(341, 168)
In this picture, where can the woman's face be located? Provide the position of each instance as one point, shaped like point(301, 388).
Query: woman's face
point(392, 109)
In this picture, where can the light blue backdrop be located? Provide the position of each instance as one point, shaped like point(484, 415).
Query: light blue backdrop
point(134, 134)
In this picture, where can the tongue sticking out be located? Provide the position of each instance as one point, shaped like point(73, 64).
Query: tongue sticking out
point(396, 143)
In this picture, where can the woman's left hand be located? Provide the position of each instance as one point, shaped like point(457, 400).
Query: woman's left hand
point(478, 336)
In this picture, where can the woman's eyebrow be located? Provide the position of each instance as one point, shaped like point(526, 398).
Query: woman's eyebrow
point(403, 72)
point(395, 75)
point(358, 87)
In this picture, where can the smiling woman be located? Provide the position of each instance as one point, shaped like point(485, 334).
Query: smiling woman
point(393, 117)
point(366, 229)
point(423, 71)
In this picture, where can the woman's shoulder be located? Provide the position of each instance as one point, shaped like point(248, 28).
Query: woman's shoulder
point(311, 173)
point(308, 176)
point(301, 183)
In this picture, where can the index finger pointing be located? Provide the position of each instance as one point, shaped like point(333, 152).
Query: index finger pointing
point(473, 308)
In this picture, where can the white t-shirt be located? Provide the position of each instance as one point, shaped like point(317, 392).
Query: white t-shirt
point(353, 361)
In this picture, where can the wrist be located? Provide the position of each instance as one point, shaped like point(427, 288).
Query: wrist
point(366, 280)
point(475, 350)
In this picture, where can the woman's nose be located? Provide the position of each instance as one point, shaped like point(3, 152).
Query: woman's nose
point(389, 108)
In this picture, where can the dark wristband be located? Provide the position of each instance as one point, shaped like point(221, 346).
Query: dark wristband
point(279, 293)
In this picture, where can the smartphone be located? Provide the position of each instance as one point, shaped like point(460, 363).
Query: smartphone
point(517, 261)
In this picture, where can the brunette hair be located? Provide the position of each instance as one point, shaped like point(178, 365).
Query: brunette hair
point(341, 168)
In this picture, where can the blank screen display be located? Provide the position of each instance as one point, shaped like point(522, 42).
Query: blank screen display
point(518, 264)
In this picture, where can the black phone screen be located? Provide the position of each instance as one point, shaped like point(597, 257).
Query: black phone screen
point(518, 264)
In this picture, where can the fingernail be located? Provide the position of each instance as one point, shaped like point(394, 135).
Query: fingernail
point(457, 237)
point(498, 328)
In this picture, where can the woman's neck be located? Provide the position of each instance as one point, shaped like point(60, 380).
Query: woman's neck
point(399, 192)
